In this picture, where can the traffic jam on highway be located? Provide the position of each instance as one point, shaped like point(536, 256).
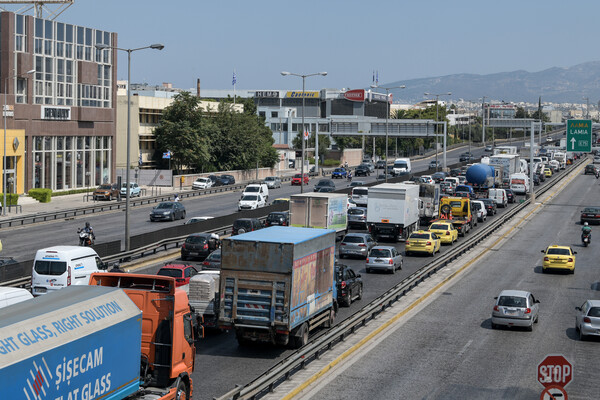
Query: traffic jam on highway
point(276, 280)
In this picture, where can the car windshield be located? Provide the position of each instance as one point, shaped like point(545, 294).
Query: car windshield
point(439, 226)
point(165, 206)
point(355, 211)
point(195, 240)
point(105, 187)
point(419, 236)
point(353, 239)
point(325, 183)
point(379, 253)
point(512, 301)
point(592, 210)
point(360, 192)
point(214, 256)
point(275, 217)
point(249, 197)
point(252, 189)
point(338, 170)
point(50, 267)
point(242, 224)
point(269, 178)
point(173, 273)
point(558, 251)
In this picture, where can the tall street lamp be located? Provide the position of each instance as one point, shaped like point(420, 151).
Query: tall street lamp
point(4, 112)
point(285, 73)
point(156, 46)
point(387, 114)
point(437, 98)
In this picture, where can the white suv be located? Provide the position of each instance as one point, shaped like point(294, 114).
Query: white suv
point(202, 183)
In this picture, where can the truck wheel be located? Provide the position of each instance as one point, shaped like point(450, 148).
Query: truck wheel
point(302, 339)
point(183, 392)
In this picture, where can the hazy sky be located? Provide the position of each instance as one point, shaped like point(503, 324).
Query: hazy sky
point(348, 39)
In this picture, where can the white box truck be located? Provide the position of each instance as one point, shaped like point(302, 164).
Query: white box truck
point(511, 163)
point(320, 210)
point(393, 210)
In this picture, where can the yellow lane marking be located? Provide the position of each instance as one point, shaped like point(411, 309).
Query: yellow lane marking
point(377, 331)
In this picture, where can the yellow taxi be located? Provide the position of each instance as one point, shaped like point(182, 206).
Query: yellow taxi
point(547, 172)
point(560, 258)
point(445, 231)
point(422, 242)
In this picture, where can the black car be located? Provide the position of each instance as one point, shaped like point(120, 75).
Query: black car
point(198, 245)
point(590, 169)
point(244, 225)
point(380, 164)
point(213, 261)
point(490, 206)
point(167, 211)
point(216, 180)
point(466, 157)
point(362, 170)
point(324, 183)
point(439, 176)
point(455, 172)
point(349, 285)
point(281, 218)
point(536, 179)
point(227, 179)
point(591, 215)
point(510, 195)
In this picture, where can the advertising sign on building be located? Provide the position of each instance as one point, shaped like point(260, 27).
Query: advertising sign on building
point(56, 113)
point(8, 110)
point(267, 93)
point(355, 95)
point(300, 94)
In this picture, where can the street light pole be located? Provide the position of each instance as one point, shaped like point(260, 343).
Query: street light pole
point(303, 76)
point(483, 120)
point(437, 98)
point(156, 46)
point(4, 111)
point(387, 115)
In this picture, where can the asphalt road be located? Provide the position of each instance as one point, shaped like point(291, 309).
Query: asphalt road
point(449, 351)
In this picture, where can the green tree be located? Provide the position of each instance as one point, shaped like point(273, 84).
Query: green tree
point(324, 143)
point(185, 131)
point(521, 113)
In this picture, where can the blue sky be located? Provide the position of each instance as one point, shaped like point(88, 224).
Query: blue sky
point(348, 39)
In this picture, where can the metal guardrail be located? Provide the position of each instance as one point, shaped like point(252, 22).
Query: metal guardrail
point(328, 339)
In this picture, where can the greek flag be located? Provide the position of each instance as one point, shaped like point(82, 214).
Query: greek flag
point(234, 80)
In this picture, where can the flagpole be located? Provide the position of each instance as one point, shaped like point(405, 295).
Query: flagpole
point(234, 82)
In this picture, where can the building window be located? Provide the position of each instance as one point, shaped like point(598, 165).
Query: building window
point(274, 114)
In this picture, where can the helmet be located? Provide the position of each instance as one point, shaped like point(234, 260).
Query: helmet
point(87, 224)
point(585, 224)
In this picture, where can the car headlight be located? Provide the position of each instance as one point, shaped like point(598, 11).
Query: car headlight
point(166, 212)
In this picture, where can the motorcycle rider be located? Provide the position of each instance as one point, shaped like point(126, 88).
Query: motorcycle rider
point(586, 230)
point(89, 230)
point(349, 175)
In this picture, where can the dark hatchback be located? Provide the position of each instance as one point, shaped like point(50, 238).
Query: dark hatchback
point(324, 183)
point(590, 169)
point(227, 179)
point(244, 225)
point(213, 261)
point(198, 245)
point(281, 218)
point(182, 273)
point(362, 170)
point(439, 176)
point(591, 215)
point(349, 285)
point(216, 180)
point(510, 195)
point(490, 206)
point(167, 211)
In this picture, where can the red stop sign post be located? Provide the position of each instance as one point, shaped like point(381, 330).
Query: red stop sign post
point(555, 370)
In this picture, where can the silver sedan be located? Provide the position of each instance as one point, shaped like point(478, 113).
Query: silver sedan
point(273, 182)
point(587, 320)
point(515, 308)
point(384, 258)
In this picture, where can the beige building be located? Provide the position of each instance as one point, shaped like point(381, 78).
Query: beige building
point(147, 105)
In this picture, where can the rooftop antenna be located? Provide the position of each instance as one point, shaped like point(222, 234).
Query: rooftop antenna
point(40, 7)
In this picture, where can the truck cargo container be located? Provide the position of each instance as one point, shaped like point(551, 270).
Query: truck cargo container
point(320, 210)
point(88, 342)
point(506, 150)
point(393, 210)
point(203, 292)
point(511, 163)
point(277, 284)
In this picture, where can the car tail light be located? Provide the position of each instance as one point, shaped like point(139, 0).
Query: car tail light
point(587, 320)
point(407, 242)
point(428, 243)
point(584, 215)
point(69, 276)
point(546, 259)
point(447, 232)
point(343, 284)
point(205, 246)
point(283, 223)
point(205, 263)
point(183, 246)
point(342, 244)
point(528, 310)
point(362, 245)
point(367, 261)
point(570, 260)
point(391, 261)
point(496, 308)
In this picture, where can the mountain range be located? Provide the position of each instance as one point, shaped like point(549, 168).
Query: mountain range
point(557, 85)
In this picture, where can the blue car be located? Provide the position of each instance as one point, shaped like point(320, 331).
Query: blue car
point(339, 173)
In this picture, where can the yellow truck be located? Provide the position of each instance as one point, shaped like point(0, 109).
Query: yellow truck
point(457, 210)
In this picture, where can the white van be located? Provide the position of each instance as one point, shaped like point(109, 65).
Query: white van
point(452, 181)
point(402, 166)
point(479, 210)
point(360, 195)
point(257, 188)
point(57, 267)
point(519, 183)
point(11, 295)
point(499, 195)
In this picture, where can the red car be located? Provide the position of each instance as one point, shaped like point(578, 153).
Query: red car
point(296, 179)
point(181, 272)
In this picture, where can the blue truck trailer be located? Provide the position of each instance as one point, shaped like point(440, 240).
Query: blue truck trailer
point(277, 284)
point(81, 342)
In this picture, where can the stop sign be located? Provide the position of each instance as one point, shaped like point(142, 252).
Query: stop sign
point(555, 370)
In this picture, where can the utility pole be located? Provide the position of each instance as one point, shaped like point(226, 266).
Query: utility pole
point(483, 120)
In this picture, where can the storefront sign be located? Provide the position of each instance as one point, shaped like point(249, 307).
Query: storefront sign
point(355, 95)
point(8, 110)
point(267, 93)
point(299, 95)
point(56, 113)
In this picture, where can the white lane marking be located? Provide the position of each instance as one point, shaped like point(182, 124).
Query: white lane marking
point(465, 347)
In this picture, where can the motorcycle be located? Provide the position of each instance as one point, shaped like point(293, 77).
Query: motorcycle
point(85, 238)
point(585, 239)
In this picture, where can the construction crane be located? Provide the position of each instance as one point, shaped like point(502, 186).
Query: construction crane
point(50, 8)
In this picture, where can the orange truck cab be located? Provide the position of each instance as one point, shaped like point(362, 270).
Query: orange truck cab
point(167, 348)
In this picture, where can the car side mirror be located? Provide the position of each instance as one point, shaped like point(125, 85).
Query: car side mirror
point(358, 275)
point(495, 298)
point(536, 302)
point(578, 308)
point(543, 251)
point(574, 252)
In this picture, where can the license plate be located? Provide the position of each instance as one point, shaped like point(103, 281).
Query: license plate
point(40, 289)
point(377, 260)
point(510, 312)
